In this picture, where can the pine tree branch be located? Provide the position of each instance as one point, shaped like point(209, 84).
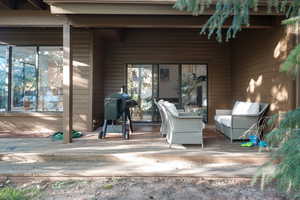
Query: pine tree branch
point(238, 11)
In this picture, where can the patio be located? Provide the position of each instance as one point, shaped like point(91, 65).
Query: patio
point(145, 154)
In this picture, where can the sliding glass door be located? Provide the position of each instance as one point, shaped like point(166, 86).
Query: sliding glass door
point(185, 85)
point(140, 88)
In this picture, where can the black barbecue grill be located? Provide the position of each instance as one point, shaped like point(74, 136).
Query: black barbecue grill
point(117, 115)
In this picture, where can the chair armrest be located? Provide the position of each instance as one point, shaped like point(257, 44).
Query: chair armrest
point(223, 112)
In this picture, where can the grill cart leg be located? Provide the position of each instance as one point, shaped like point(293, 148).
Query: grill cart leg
point(102, 133)
point(127, 113)
point(125, 128)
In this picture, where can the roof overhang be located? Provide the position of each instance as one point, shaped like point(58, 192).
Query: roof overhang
point(115, 9)
point(114, 1)
point(124, 7)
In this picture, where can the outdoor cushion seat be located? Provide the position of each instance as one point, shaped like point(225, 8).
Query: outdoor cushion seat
point(234, 123)
point(182, 128)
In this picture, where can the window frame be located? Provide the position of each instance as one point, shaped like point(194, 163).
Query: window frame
point(10, 68)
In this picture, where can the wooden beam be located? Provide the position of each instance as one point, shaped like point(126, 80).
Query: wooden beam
point(38, 4)
point(30, 18)
point(132, 21)
point(130, 9)
point(170, 2)
point(114, 1)
point(67, 83)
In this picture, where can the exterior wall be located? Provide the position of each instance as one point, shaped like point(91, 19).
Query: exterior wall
point(31, 36)
point(98, 90)
point(82, 41)
point(51, 122)
point(257, 55)
point(30, 122)
point(171, 46)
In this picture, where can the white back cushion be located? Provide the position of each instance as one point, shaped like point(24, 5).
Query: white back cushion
point(245, 108)
point(171, 107)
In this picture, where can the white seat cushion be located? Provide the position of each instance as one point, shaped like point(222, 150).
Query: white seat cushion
point(245, 108)
point(224, 119)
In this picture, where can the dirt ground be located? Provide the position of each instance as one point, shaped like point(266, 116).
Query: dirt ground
point(140, 188)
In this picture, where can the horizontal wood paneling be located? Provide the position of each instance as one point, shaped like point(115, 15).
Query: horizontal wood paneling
point(39, 124)
point(98, 90)
point(31, 36)
point(171, 46)
point(82, 69)
point(257, 56)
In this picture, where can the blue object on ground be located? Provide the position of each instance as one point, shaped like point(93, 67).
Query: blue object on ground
point(262, 144)
point(254, 139)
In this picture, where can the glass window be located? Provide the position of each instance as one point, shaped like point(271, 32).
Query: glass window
point(3, 77)
point(50, 91)
point(194, 88)
point(36, 78)
point(24, 85)
point(139, 87)
point(169, 82)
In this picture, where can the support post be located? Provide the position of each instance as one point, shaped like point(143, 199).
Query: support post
point(67, 83)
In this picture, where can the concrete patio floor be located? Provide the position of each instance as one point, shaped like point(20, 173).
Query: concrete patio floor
point(145, 154)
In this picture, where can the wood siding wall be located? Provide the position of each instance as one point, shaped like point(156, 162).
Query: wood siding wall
point(82, 55)
point(98, 90)
point(257, 55)
point(82, 41)
point(171, 46)
point(31, 36)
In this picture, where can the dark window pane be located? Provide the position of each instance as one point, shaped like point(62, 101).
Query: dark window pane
point(24, 79)
point(169, 82)
point(3, 77)
point(50, 79)
point(194, 88)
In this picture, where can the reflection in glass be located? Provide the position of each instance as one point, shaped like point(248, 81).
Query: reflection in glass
point(194, 88)
point(169, 82)
point(139, 87)
point(24, 79)
point(3, 77)
point(50, 79)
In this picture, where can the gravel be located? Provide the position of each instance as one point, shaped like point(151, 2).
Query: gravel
point(150, 188)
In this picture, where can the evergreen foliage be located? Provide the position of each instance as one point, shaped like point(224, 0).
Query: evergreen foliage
point(284, 164)
point(234, 12)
